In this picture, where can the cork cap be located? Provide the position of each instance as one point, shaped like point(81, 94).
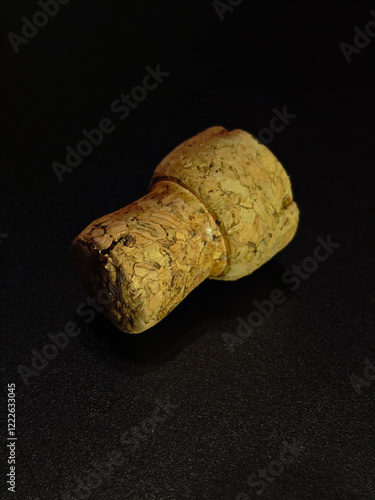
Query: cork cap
point(246, 189)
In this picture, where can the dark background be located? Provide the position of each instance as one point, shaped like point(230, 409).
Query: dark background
point(291, 379)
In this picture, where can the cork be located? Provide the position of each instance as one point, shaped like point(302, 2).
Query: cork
point(219, 206)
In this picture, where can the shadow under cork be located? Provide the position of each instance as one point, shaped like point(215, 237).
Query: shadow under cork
point(210, 304)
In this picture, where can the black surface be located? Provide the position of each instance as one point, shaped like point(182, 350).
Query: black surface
point(290, 380)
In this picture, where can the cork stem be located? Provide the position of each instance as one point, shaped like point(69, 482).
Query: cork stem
point(154, 252)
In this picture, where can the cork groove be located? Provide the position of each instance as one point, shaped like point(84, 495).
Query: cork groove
point(219, 225)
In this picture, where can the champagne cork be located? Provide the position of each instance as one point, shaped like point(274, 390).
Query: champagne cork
point(219, 206)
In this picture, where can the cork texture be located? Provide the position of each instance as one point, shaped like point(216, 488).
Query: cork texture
point(219, 206)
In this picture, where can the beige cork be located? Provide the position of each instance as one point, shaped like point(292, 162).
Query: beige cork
point(220, 205)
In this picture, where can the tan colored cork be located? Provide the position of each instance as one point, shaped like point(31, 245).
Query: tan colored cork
point(220, 205)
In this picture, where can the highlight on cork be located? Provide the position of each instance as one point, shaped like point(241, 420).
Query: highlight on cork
point(219, 206)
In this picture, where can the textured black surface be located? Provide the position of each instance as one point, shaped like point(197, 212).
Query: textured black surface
point(231, 413)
